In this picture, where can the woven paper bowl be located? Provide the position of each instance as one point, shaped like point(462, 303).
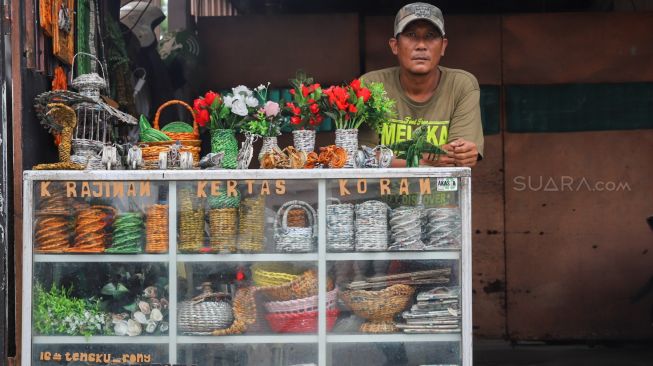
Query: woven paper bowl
point(303, 286)
point(378, 307)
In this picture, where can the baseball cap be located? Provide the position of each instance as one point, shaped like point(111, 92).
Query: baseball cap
point(416, 11)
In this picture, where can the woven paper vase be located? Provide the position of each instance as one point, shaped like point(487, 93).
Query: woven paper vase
point(223, 229)
point(304, 140)
point(191, 222)
point(269, 144)
point(225, 141)
point(371, 225)
point(348, 140)
point(340, 227)
point(251, 225)
point(156, 229)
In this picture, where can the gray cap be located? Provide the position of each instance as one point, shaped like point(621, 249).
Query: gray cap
point(417, 11)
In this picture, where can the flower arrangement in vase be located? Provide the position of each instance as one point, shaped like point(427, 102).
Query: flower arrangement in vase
point(266, 121)
point(224, 114)
point(304, 111)
point(352, 105)
point(348, 106)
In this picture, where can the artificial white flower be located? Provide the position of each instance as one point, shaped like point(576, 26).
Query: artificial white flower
point(228, 100)
point(261, 87)
point(251, 102)
point(164, 326)
point(151, 326)
point(239, 107)
point(120, 328)
point(145, 307)
point(156, 315)
point(241, 90)
point(140, 317)
point(133, 328)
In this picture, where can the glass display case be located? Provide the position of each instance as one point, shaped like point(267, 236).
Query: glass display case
point(247, 267)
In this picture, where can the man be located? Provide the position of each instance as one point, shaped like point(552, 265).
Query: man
point(445, 100)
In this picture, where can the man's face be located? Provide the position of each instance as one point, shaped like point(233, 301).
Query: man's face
point(419, 47)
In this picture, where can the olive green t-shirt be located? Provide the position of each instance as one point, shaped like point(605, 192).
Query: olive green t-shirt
point(452, 112)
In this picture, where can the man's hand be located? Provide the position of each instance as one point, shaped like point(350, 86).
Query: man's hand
point(460, 152)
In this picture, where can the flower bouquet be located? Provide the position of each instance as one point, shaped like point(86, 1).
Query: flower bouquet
point(266, 121)
point(348, 106)
point(224, 115)
point(304, 111)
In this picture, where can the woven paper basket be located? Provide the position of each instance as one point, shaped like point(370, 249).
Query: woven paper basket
point(273, 274)
point(190, 140)
point(295, 239)
point(251, 225)
point(191, 222)
point(186, 138)
point(378, 307)
point(305, 322)
point(304, 305)
point(156, 229)
point(204, 314)
point(299, 288)
point(223, 229)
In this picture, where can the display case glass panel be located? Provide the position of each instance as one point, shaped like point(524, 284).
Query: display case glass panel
point(315, 267)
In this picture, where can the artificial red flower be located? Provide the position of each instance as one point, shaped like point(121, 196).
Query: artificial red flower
point(305, 91)
point(315, 109)
point(240, 276)
point(292, 91)
point(365, 93)
point(210, 96)
point(356, 85)
point(202, 117)
point(352, 108)
point(199, 104)
point(295, 120)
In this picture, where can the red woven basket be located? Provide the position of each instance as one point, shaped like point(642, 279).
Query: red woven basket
point(305, 322)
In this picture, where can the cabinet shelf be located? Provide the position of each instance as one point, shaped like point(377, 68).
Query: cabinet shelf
point(100, 257)
point(101, 340)
point(388, 338)
point(271, 257)
point(249, 339)
point(354, 256)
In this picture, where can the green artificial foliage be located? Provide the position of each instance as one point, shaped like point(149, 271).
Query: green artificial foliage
point(56, 312)
point(413, 149)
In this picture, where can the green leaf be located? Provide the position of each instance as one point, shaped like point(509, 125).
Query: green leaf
point(121, 290)
point(131, 307)
point(108, 289)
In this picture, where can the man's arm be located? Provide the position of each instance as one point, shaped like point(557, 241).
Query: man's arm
point(465, 146)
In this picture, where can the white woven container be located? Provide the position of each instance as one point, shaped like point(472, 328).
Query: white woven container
point(371, 226)
point(295, 239)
